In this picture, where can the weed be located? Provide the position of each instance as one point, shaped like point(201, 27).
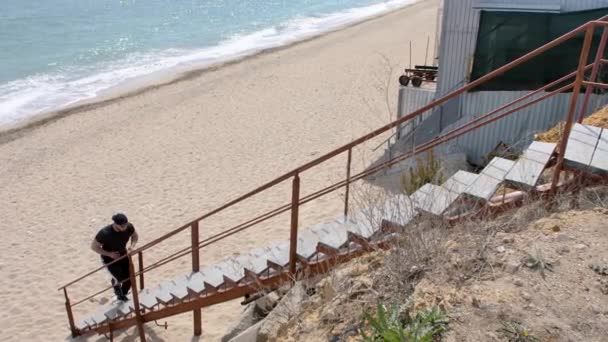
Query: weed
point(387, 325)
point(517, 333)
point(537, 262)
point(425, 171)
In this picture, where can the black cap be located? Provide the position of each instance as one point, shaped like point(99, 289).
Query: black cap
point(120, 219)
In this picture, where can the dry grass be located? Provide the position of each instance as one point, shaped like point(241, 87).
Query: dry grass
point(425, 253)
point(598, 119)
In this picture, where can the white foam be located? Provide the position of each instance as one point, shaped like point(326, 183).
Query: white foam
point(24, 98)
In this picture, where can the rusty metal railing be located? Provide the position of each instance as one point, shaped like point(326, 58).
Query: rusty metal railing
point(196, 244)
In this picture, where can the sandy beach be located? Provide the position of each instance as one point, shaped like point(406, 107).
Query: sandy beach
point(170, 154)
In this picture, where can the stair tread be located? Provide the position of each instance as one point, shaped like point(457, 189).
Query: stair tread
point(279, 254)
point(178, 287)
point(460, 181)
point(433, 199)
point(333, 234)
point(528, 168)
point(196, 282)
point(147, 299)
point(486, 184)
point(307, 244)
point(255, 260)
point(582, 142)
point(600, 156)
point(214, 275)
point(162, 291)
point(118, 310)
point(84, 324)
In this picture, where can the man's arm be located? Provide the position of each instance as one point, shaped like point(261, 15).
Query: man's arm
point(134, 238)
point(96, 247)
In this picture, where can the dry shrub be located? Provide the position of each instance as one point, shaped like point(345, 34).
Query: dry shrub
point(416, 250)
point(427, 170)
point(598, 119)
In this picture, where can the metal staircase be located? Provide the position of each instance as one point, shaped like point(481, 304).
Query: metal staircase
point(583, 149)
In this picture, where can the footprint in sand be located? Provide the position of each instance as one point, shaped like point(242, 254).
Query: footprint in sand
point(101, 300)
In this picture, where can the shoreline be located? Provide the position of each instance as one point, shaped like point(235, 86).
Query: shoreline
point(137, 86)
point(169, 154)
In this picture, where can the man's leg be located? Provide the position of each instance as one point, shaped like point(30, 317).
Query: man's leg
point(124, 270)
point(116, 272)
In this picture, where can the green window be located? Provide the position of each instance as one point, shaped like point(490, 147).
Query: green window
point(506, 36)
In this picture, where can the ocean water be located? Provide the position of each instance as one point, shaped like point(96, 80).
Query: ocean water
point(56, 52)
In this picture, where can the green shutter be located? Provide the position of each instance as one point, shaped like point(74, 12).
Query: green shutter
point(505, 36)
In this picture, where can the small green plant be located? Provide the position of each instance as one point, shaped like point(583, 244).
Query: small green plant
point(426, 325)
point(517, 333)
point(427, 171)
point(537, 262)
point(387, 325)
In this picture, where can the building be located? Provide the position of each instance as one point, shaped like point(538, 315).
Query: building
point(478, 36)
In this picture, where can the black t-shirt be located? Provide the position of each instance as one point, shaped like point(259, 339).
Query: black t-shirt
point(113, 241)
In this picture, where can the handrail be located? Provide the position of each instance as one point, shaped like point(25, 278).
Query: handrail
point(424, 147)
point(362, 139)
point(442, 138)
point(448, 136)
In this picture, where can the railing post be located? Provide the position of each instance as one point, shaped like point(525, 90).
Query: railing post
point(293, 236)
point(594, 71)
point(140, 263)
point(135, 294)
point(196, 313)
point(580, 76)
point(350, 153)
point(68, 309)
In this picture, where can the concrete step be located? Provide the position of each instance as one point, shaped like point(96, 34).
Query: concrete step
point(582, 143)
point(433, 199)
point(529, 167)
point(460, 181)
point(278, 255)
point(599, 162)
point(490, 178)
point(332, 234)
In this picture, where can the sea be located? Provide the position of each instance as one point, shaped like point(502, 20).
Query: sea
point(55, 53)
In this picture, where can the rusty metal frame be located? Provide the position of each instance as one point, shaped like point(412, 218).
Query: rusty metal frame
point(274, 281)
point(596, 68)
point(196, 313)
point(293, 234)
point(221, 295)
point(578, 82)
point(347, 191)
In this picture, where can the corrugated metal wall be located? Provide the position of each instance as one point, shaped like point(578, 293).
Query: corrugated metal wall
point(460, 24)
point(516, 130)
point(410, 99)
point(459, 35)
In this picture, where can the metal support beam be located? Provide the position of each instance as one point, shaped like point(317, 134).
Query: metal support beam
point(346, 195)
point(196, 313)
point(594, 71)
point(68, 309)
point(293, 236)
point(135, 294)
point(140, 263)
point(578, 82)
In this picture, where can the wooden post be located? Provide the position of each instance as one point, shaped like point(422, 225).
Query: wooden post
point(293, 236)
point(68, 309)
point(140, 259)
point(580, 75)
point(196, 313)
point(350, 152)
point(135, 293)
